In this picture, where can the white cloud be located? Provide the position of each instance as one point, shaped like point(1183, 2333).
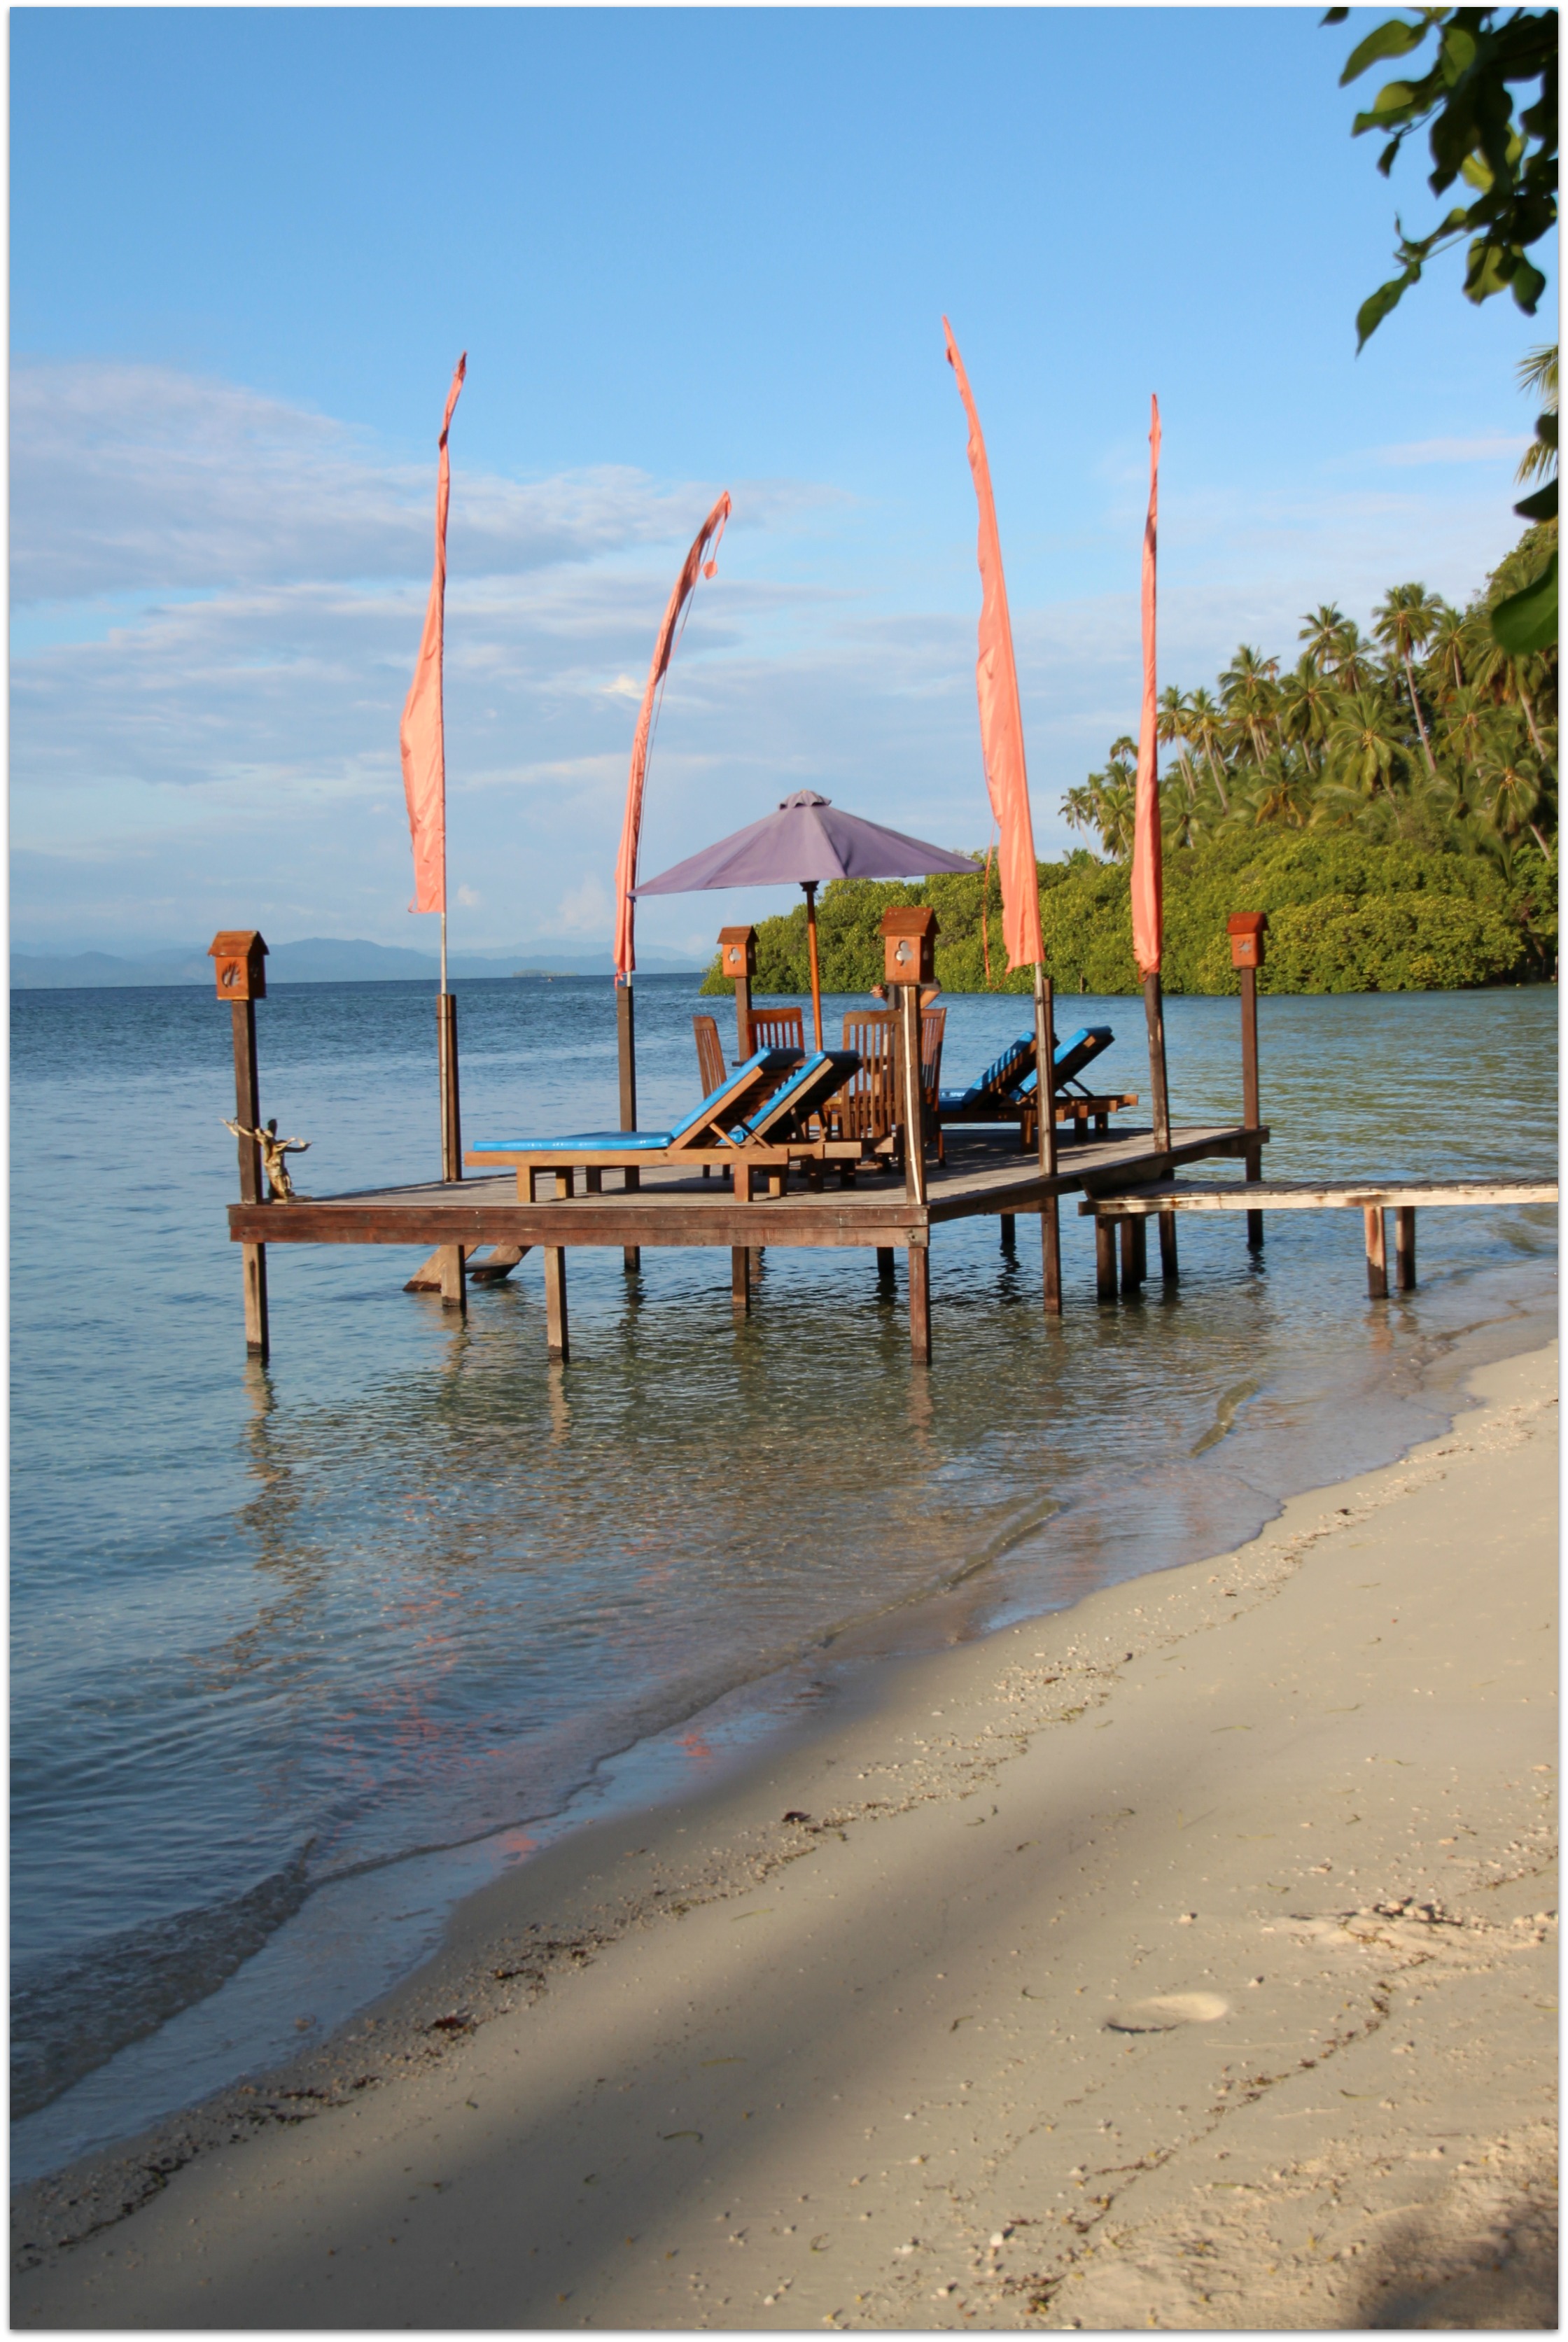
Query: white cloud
point(205, 723)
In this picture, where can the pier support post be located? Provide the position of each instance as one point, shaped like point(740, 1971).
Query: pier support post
point(453, 1279)
point(885, 1268)
point(741, 1279)
point(1009, 1232)
point(1405, 1246)
point(1250, 1111)
point(1154, 1017)
point(1045, 1139)
point(1131, 1252)
point(1105, 1258)
point(920, 1303)
point(1168, 1267)
point(253, 1261)
point(556, 1335)
point(247, 1114)
point(1376, 1253)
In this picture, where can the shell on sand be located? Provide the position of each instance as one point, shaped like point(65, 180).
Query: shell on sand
point(1166, 2010)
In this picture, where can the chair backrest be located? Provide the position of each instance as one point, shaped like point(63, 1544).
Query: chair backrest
point(739, 1095)
point(778, 1028)
point(865, 1107)
point(1005, 1072)
point(710, 1052)
point(804, 1094)
point(1091, 1041)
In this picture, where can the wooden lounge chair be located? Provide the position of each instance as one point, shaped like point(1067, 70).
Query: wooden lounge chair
point(1005, 1091)
point(766, 1114)
point(710, 1052)
point(778, 1028)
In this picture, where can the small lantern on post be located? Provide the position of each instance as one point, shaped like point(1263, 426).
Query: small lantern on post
point(738, 961)
point(909, 944)
point(1247, 930)
point(238, 954)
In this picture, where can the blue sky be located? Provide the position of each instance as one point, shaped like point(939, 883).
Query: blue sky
point(684, 249)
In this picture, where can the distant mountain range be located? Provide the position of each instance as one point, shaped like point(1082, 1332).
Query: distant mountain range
point(323, 959)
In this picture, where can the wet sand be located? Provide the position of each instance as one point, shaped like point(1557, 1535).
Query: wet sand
point(1185, 1959)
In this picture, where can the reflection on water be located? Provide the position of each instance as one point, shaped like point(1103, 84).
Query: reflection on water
point(416, 1584)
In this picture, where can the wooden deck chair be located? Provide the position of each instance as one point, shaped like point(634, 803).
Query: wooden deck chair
point(710, 1062)
point(719, 1131)
point(778, 1028)
point(710, 1052)
point(863, 1108)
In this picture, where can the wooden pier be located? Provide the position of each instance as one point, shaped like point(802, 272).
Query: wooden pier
point(986, 1174)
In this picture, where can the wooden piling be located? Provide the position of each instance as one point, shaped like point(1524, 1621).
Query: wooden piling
point(911, 1096)
point(555, 1333)
point(741, 1279)
point(1009, 1227)
point(1168, 1265)
point(1154, 1017)
point(884, 1267)
point(1405, 1246)
point(919, 1302)
point(1251, 1115)
point(1376, 1253)
point(1045, 1127)
point(247, 1114)
point(1104, 1258)
point(1131, 1267)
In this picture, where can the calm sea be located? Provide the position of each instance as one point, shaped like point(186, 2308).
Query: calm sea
point(300, 1656)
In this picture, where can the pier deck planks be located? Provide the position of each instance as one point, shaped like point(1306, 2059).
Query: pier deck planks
point(1318, 1195)
point(985, 1172)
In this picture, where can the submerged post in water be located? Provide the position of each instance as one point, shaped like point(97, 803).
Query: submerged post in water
point(626, 1054)
point(1246, 931)
point(241, 982)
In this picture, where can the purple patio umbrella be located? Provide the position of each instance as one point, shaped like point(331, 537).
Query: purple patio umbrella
point(808, 839)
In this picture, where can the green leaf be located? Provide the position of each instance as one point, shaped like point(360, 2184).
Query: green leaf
point(1372, 311)
point(1542, 505)
point(1526, 622)
point(1528, 286)
point(1394, 39)
point(1392, 102)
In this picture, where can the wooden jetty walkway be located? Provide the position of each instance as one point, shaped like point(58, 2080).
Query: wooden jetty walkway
point(986, 1174)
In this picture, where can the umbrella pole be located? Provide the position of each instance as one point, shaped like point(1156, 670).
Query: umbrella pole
point(809, 887)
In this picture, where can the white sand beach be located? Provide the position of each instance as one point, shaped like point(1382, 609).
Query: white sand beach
point(1187, 1959)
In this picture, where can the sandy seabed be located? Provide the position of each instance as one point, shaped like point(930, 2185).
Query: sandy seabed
point(1187, 1959)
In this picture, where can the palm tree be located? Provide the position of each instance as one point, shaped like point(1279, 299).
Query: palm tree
point(1206, 731)
point(1307, 705)
point(1403, 622)
point(1446, 658)
point(1322, 630)
point(1364, 752)
point(1247, 688)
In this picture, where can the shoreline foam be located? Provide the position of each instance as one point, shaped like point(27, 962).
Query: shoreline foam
point(602, 2046)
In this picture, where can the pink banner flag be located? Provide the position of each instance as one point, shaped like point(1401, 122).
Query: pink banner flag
point(420, 735)
point(1148, 916)
point(1001, 717)
point(713, 529)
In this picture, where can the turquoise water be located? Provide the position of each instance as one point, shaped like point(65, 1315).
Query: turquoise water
point(298, 1654)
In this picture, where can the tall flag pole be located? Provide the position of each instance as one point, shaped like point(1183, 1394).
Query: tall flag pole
point(705, 542)
point(1148, 920)
point(1007, 784)
point(421, 737)
point(422, 740)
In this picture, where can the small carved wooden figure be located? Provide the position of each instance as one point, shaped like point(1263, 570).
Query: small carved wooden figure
point(280, 1186)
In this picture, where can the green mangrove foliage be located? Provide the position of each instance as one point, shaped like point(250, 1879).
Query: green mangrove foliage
point(1346, 915)
point(1391, 803)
